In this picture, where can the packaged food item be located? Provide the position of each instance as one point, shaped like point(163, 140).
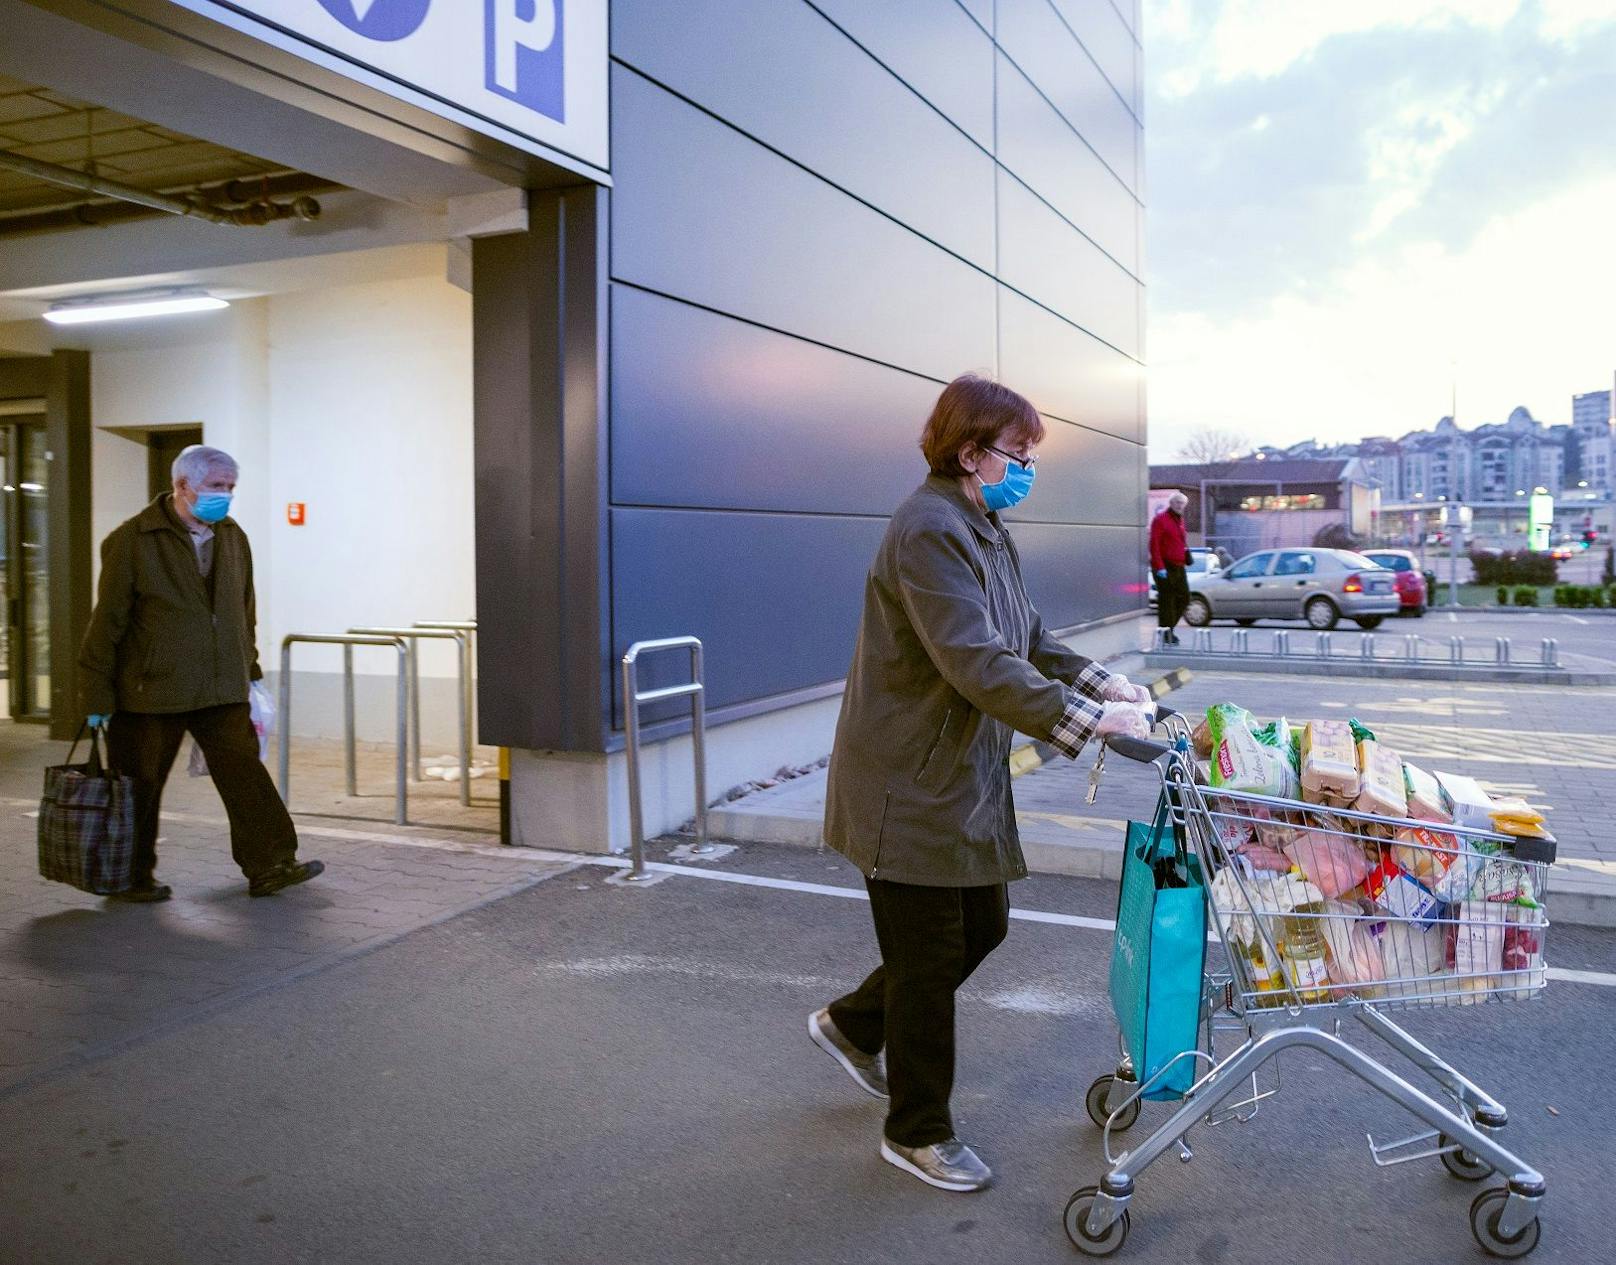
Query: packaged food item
point(1333, 862)
point(1478, 948)
point(1441, 862)
point(1355, 962)
point(1302, 949)
point(1412, 958)
point(1424, 795)
point(1465, 802)
point(1263, 858)
point(1503, 881)
point(1514, 816)
point(1381, 790)
point(1201, 740)
point(1275, 826)
point(1240, 762)
point(1522, 961)
point(1400, 895)
point(1329, 763)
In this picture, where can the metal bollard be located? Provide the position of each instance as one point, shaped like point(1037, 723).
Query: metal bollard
point(1456, 650)
point(1551, 652)
point(1240, 641)
point(1282, 642)
point(1411, 647)
point(1203, 641)
point(1501, 649)
point(1322, 649)
point(1366, 646)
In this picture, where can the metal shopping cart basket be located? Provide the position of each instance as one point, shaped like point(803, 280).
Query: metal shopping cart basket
point(1378, 915)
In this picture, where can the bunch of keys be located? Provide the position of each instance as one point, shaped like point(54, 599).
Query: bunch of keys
point(1094, 776)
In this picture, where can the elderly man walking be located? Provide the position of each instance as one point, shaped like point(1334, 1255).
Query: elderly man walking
point(170, 649)
point(1168, 558)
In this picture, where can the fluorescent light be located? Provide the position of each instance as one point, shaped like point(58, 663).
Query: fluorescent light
point(124, 307)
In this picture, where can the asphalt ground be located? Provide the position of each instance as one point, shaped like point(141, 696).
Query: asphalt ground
point(584, 1072)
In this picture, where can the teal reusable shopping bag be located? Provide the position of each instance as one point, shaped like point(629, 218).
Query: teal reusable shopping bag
point(1159, 956)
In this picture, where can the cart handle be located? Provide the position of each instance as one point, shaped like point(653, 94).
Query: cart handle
point(1143, 750)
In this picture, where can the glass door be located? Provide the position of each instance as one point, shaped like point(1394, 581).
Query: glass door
point(25, 570)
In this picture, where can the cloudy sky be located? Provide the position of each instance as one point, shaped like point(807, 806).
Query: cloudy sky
point(1353, 202)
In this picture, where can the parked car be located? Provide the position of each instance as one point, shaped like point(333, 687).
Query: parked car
point(1318, 585)
point(1413, 586)
point(1201, 562)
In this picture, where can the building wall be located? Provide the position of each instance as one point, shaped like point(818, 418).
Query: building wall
point(807, 242)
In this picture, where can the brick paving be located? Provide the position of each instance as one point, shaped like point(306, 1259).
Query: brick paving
point(79, 976)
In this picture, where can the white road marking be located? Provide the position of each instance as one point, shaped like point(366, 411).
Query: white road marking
point(1575, 619)
point(1452, 618)
point(1582, 977)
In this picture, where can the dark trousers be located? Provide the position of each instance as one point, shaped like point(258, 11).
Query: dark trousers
point(1172, 596)
point(931, 939)
point(144, 745)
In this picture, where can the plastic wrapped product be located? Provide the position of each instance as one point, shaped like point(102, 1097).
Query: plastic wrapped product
point(1514, 816)
point(1329, 763)
point(1201, 740)
point(1381, 789)
point(1424, 795)
point(1410, 955)
point(1333, 862)
point(1443, 863)
point(1275, 826)
point(1523, 951)
point(1355, 962)
point(1263, 858)
point(1465, 802)
point(1504, 881)
point(1230, 823)
point(1240, 762)
point(1478, 948)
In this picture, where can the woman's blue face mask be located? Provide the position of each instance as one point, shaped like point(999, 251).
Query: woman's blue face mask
point(1012, 489)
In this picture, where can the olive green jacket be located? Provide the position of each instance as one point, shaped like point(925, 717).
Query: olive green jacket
point(163, 638)
point(951, 661)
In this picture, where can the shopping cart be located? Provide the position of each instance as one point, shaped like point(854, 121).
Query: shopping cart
point(1379, 916)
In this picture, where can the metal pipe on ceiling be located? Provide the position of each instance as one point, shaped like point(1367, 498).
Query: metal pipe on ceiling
point(254, 213)
point(104, 212)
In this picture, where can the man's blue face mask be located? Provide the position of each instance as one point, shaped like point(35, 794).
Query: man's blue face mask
point(210, 507)
point(1012, 489)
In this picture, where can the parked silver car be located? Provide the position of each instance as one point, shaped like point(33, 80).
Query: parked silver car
point(1318, 585)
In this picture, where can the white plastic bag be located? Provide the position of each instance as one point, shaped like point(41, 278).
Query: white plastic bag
point(262, 703)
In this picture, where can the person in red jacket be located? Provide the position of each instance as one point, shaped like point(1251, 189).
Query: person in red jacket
point(1168, 556)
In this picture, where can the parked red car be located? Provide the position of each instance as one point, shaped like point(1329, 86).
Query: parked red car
point(1408, 582)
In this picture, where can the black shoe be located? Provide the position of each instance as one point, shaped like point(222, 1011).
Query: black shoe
point(288, 875)
point(1172, 639)
point(145, 894)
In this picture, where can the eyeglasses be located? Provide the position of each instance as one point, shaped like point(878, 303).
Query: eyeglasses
point(1026, 463)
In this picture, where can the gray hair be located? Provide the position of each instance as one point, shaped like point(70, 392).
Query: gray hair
point(196, 463)
point(1178, 498)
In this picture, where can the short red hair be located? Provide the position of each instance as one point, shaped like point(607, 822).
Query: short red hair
point(976, 410)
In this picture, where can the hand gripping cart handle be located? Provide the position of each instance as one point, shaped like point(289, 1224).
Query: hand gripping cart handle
point(1378, 915)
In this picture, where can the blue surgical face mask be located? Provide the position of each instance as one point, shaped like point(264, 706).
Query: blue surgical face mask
point(1010, 490)
point(210, 507)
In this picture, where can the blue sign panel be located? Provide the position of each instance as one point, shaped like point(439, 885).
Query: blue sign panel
point(524, 57)
point(379, 19)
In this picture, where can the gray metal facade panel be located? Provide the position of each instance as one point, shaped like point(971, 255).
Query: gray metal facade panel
point(1078, 574)
point(981, 10)
point(1067, 373)
point(775, 598)
point(934, 47)
point(1101, 30)
point(703, 213)
point(1043, 47)
point(1084, 476)
point(1041, 256)
point(804, 88)
point(1044, 153)
point(711, 412)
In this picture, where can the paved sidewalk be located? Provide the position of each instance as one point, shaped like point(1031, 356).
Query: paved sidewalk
point(1554, 746)
point(79, 976)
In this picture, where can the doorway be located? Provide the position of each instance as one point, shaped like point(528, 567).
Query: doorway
point(162, 446)
point(25, 568)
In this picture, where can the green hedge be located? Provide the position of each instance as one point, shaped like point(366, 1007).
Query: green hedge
point(1584, 596)
point(1521, 567)
point(1525, 595)
point(1503, 596)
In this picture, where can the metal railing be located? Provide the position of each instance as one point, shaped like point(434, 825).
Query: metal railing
point(413, 658)
point(468, 652)
point(1451, 653)
point(347, 642)
point(633, 697)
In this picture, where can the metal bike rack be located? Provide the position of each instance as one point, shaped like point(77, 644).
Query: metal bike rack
point(1366, 646)
point(347, 642)
point(1282, 643)
point(1411, 647)
point(410, 636)
point(1456, 650)
point(632, 698)
point(1551, 652)
point(468, 652)
point(1322, 648)
point(1203, 641)
point(1501, 649)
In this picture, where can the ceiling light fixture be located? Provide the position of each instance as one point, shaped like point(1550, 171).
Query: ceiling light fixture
point(124, 307)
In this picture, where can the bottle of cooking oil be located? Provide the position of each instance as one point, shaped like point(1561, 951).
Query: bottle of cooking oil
point(1302, 945)
point(1265, 978)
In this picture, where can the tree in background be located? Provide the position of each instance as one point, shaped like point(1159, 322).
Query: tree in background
point(1210, 446)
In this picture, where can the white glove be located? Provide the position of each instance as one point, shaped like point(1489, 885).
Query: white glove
point(1118, 689)
point(1123, 720)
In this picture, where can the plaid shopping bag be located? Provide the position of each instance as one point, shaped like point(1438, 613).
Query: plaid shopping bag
point(87, 824)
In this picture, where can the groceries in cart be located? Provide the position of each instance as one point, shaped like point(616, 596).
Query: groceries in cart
point(1348, 872)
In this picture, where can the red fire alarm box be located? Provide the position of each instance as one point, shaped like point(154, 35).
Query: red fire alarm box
point(294, 513)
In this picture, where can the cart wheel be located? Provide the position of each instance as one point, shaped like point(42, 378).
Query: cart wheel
point(1094, 1100)
point(1462, 1164)
point(1076, 1218)
point(1484, 1214)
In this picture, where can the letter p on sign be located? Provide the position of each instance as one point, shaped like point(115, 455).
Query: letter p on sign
point(525, 56)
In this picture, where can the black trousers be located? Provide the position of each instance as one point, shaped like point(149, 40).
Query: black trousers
point(1172, 596)
point(931, 939)
point(143, 745)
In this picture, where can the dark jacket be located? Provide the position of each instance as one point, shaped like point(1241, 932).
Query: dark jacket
point(163, 638)
point(951, 660)
point(1167, 547)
